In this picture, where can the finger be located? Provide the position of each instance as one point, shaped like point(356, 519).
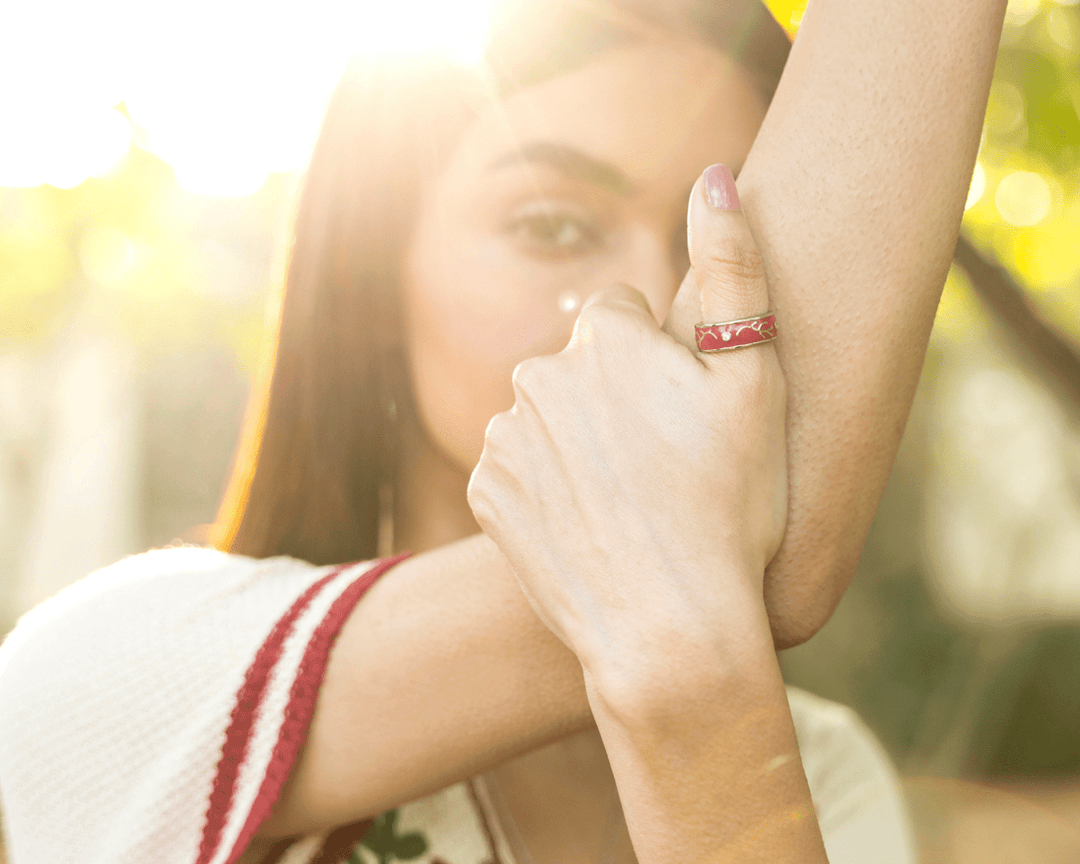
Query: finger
point(727, 265)
point(684, 313)
point(616, 305)
point(618, 294)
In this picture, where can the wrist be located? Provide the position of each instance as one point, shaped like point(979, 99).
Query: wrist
point(655, 669)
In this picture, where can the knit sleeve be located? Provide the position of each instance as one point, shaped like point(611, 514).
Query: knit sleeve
point(154, 710)
point(859, 802)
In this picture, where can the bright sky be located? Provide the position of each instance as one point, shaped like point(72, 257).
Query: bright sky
point(225, 91)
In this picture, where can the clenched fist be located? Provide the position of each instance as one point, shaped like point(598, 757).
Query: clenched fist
point(639, 487)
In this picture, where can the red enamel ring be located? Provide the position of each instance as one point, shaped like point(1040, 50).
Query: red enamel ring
point(735, 334)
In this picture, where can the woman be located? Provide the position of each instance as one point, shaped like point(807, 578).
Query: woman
point(165, 709)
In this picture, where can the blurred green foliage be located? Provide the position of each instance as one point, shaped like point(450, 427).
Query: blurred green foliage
point(140, 254)
point(947, 694)
point(1033, 128)
point(1025, 204)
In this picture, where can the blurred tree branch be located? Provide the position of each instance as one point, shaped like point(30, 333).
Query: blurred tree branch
point(1052, 351)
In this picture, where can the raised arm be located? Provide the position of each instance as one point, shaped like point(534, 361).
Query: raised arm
point(854, 188)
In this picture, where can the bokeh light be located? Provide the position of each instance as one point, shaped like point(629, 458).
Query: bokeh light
point(1019, 12)
point(1023, 198)
point(1005, 110)
point(1063, 29)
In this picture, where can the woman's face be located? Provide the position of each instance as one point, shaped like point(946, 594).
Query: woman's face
point(563, 189)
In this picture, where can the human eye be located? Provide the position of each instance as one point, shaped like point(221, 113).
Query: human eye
point(554, 228)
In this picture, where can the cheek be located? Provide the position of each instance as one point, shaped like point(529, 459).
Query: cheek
point(485, 306)
point(473, 312)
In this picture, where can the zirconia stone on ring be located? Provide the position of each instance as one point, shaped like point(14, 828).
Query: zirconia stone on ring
point(735, 334)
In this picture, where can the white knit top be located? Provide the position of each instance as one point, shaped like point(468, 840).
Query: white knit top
point(153, 711)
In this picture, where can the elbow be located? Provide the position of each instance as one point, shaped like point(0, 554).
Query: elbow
point(799, 602)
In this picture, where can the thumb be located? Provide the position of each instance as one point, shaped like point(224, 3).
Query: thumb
point(724, 257)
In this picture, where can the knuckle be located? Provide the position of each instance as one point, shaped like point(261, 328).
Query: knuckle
point(607, 320)
point(486, 478)
point(730, 259)
point(625, 297)
point(474, 492)
point(527, 377)
point(494, 435)
point(478, 492)
point(598, 315)
point(482, 503)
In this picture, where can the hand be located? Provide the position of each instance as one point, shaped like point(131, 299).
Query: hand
point(636, 484)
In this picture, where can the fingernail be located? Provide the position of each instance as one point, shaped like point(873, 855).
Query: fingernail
point(720, 188)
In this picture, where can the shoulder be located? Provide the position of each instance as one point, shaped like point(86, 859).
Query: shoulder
point(140, 588)
point(854, 785)
point(165, 683)
point(124, 632)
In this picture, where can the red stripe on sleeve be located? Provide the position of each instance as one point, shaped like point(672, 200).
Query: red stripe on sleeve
point(302, 699)
point(242, 720)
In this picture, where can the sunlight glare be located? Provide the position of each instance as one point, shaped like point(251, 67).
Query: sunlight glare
point(225, 104)
point(42, 144)
point(456, 30)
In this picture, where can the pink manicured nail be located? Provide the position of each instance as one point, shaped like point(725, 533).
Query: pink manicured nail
point(720, 188)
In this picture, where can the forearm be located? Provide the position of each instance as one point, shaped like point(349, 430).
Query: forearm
point(702, 746)
point(855, 189)
point(442, 671)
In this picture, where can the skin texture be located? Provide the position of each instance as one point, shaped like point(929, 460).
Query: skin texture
point(504, 239)
point(663, 574)
point(855, 224)
point(615, 533)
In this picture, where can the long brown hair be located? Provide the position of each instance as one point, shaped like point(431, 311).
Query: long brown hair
point(319, 441)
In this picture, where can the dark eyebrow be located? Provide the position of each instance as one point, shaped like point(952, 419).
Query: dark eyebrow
point(570, 161)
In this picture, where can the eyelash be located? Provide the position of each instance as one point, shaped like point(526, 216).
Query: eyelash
point(541, 227)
